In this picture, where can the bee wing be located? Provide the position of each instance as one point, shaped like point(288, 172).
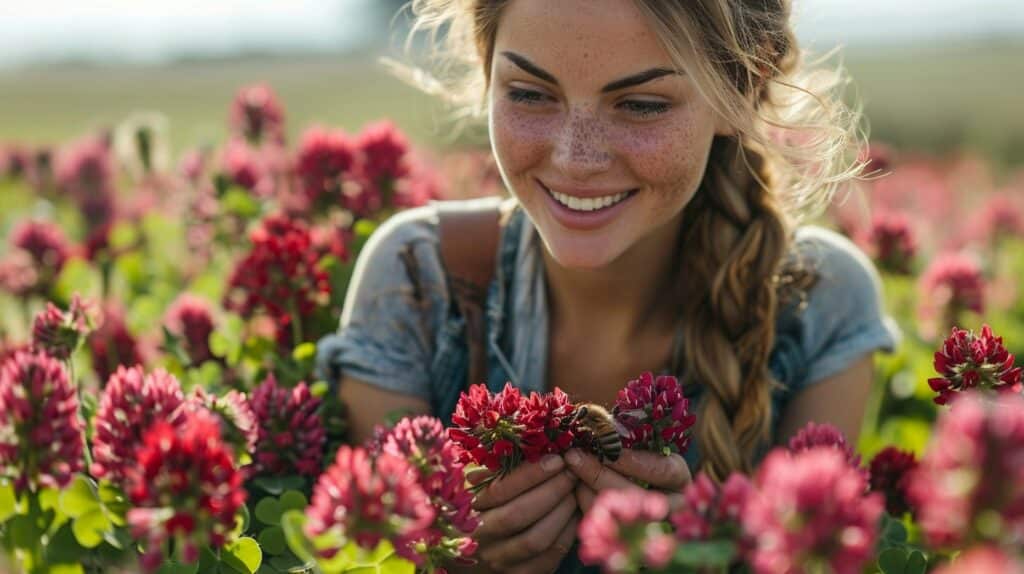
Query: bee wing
point(619, 428)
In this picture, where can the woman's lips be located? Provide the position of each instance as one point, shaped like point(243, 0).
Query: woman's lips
point(584, 220)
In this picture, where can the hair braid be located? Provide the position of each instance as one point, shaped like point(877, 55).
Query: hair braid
point(735, 240)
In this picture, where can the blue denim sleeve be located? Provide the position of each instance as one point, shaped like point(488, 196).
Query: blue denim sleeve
point(394, 306)
point(845, 316)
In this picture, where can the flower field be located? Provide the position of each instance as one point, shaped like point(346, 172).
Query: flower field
point(159, 409)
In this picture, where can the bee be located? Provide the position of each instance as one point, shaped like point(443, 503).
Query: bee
point(605, 433)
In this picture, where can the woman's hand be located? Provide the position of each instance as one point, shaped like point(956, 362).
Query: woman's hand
point(528, 519)
point(666, 473)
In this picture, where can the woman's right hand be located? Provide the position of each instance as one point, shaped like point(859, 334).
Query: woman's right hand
point(528, 519)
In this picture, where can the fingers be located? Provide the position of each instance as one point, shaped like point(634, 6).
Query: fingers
point(477, 475)
point(549, 560)
point(534, 541)
point(593, 473)
point(523, 478)
point(521, 512)
point(665, 472)
point(585, 497)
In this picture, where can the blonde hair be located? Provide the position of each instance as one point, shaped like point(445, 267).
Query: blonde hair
point(795, 141)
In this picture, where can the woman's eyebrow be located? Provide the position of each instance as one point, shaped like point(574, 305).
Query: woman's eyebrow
point(629, 81)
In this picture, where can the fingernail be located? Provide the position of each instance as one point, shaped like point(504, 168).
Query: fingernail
point(551, 462)
point(573, 458)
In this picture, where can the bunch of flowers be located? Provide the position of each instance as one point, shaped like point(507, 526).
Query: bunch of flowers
point(184, 487)
point(257, 115)
point(279, 275)
point(191, 319)
point(422, 441)
point(952, 284)
point(486, 429)
point(291, 435)
point(384, 162)
point(422, 184)
point(810, 508)
point(14, 161)
point(112, 345)
point(85, 172)
point(48, 250)
point(624, 531)
point(367, 499)
point(815, 435)
point(59, 332)
point(806, 510)
point(247, 168)
point(18, 274)
point(324, 165)
point(968, 361)
point(655, 413)
point(969, 486)
point(1002, 215)
point(889, 475)
point(710, 511)
point(329, 239)
point(238, 427)
point(41, 435)
point(545, 420)
point(891, 241)
point(131, 402)
point(498, 431)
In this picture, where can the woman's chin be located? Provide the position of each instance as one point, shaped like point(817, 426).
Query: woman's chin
point(581, 254)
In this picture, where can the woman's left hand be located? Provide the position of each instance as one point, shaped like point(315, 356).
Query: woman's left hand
point(666, 473)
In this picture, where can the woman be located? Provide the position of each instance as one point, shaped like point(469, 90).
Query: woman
point(660, 154)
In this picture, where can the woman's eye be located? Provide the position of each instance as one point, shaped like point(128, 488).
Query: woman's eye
point(644, 109)
point(520, 95)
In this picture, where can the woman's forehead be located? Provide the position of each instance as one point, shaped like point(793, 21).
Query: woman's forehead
point(581, 40)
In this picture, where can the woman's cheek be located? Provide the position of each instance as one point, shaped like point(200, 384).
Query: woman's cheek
point(520, 139)
point(668, 153)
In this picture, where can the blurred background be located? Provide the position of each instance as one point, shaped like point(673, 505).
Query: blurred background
point(934, 76)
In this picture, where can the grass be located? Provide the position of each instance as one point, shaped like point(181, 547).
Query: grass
point(932, 98)
point(943, 97)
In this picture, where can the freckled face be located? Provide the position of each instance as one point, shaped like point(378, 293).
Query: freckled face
point(562, 124)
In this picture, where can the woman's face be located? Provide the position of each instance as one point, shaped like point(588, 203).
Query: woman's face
point(599, 137)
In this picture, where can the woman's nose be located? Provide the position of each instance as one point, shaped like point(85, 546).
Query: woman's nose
point(581, 148)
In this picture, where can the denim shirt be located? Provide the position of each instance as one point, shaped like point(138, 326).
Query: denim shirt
point(398, 330)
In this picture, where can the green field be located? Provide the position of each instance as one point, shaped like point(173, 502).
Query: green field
point(930, 98)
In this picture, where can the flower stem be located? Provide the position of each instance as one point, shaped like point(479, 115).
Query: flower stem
point(81, 413)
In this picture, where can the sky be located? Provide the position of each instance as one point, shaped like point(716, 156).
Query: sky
point(161, 30)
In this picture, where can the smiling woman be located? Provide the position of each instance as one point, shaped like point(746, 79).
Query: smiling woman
point(660, 155)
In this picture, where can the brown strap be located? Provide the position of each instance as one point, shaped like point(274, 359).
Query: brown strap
point(469, 249)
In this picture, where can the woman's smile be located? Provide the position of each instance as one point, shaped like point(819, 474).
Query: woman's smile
point(585, 208)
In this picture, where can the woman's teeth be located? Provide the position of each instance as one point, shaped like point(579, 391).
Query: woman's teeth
point(588, 204)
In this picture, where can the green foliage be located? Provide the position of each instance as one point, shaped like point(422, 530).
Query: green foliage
point(96, 511)
point(77, 276)
point(242, 556)
point(277, 485)
point(227, 340)
point(714, 554)
point(8, 501)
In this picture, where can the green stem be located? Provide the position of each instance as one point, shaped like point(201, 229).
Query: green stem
point(81, 414)
point(36, 553)
point(26, 313)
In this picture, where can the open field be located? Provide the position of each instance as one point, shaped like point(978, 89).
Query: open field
point(930, 97)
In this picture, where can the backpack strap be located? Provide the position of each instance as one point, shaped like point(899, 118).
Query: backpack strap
point(469, 249)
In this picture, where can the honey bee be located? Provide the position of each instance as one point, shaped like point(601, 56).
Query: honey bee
point(604, 431)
